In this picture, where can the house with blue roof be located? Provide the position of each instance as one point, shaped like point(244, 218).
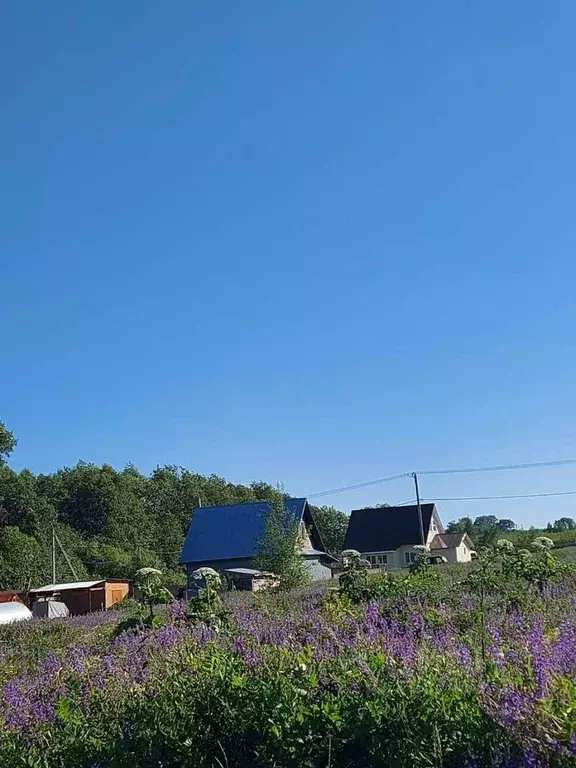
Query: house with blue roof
point(228, 537)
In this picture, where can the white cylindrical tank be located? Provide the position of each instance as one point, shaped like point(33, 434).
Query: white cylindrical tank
point(15, 611)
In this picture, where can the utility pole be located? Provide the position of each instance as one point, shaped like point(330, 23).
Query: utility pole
point(74, 574)
point(53, 556)
point(419, 505)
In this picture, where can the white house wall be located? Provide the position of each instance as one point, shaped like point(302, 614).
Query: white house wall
point(464, 554)
point(395, 558)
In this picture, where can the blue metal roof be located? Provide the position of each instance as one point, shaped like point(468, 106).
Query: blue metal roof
point(234, 531)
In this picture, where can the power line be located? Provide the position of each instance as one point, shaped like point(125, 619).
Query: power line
point(514, 496)
point(495, 468)
point(498, 467)
point(357, 485)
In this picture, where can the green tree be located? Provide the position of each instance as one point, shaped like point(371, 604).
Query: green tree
point(22, 562)
point(506, 525)
point(278, 548)
point(7, 442)
point(486, 521)
point(463, 525)
point(332, 524)
point(564, 524)
point(105, 560)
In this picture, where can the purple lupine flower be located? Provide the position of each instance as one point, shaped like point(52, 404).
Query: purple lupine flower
point(51, 663)
point(167, 636)
point(513, 706)
point(12, 694)
point(372, 612)
point(177, 610)
point(108, 663)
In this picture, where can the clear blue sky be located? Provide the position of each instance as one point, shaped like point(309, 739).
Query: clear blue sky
point(314, 243)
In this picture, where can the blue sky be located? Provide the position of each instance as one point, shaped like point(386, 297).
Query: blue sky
point(313, 243)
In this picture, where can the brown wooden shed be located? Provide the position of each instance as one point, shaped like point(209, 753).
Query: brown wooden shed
point(84, 596)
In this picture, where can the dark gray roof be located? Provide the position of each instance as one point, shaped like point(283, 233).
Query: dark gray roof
point(381, 529)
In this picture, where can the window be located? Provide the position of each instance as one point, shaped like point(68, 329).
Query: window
point(382, 559)
point(464, 548)
point(409, 557)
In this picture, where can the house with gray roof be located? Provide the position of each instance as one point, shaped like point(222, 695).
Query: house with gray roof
point(387, 536)
point(228, 537)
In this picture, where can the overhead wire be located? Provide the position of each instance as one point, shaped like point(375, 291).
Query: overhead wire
point(454, 471)
point(498, 467)
point(357, 485)
point(511, 496)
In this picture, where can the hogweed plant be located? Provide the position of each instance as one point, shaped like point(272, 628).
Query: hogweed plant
point(150, 591)
point(353, 582)
point(206, 607)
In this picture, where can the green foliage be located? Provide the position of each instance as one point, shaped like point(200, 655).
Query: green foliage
point(105, 560)
point(356, 585)
point(353, 582)
point(139, 621)
point(7, 442)
point(150, 589)
point(563, 524)
point(20, 559)
point(332, 524)
point(149, 592)
point(279, 547)
point(206, 607)
point(514, 574)
point(484, 530)
point(505, 568)
point(463, 525)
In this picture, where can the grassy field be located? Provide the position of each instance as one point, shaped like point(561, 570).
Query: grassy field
point(566, 554)
point(523, 538)
point(433, 668)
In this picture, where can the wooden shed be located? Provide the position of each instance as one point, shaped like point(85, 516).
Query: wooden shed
point(84, 596)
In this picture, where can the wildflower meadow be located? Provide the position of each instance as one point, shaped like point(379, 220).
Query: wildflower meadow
point(462, 667)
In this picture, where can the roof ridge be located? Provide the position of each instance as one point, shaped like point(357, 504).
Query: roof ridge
point(248, 503)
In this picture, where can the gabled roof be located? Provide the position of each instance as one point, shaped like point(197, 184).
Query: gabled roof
point(450, 541)
point(234, 531)
point(382, 529)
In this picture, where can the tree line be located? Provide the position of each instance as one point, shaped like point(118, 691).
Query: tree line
point(113, 522)
point(485, 529)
